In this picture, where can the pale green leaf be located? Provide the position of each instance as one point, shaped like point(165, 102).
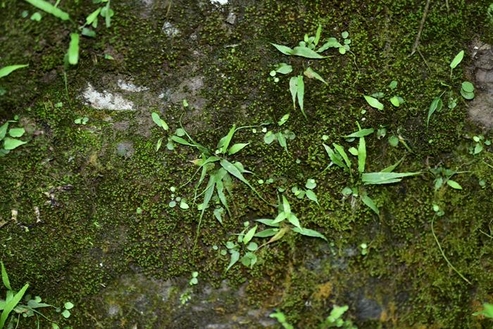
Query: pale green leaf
point(3, 130)
point(294, 220)
point(293, 89)
point(317, 35)
point(284, 68)
point(11, 304)
point(16, 132)
point(453, 184)
point(235, 256)
point(92, 16)
point(50, 9)
point(436, 105)
point(457, 59)
point(311, 195)
point(308, 232)
point(360, 133)
point(236, 148)
point(343, 154)
point(268, 222)
point(73, 49)
point(249, 235)
point(300, 93)
point(370, 203)
point(306, 53)
point(4, 71)
point(395, 100)
point(283, 49)
point(361, 155)
point(223, 144)
point(12, 143)
point(269, 137)
point(376, 178)
point(267, 233)
point(309, 73)
point(373, 102)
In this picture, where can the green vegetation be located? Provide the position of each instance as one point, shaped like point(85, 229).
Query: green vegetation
point(103, 207)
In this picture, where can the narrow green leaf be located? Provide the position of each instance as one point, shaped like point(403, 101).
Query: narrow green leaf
point(268, 222)
point(235, 256)
point(223, 144)
point(457, 59)
point(73, 49)
point(249, 235)
point(436, 105)
point(3, 130)
point(50, 9)
point(220, 192)
point(92, 16)
point(343, 154)
point(4, 71)
point(370, 203)
point(293, 89)
point(360, 133)
point(308, 232)
point(282, 141)
point(286, 207)
point(335, 158)
point(306, 53)
point(376, 178)
point(283, 49)
point(309, 73)
point(311, 195)
point(331, 43)
point(233, 170)
point(11, 304)
point(236, 148)
point(267, 233)
point(300, 93)
point(373, 102)
point(361, 155)
point(5, 277)
point(317, 35)
point(158, 121)
point(294, 220)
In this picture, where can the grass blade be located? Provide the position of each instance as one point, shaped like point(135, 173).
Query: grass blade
point(300, 92)
point(4, 71)
point(293, 89)
point(436, 105)
point(361, 155)
point(50, 9)
point(308, 232)
point(370, 203)
point(377, 178)
point(73, 49)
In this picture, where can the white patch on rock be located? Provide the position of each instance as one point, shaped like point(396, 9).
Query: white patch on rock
point(170, 30)
point(128, 86)
point(105, 100)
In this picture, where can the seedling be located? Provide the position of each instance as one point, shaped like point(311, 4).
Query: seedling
point(479, 143)
point(10, 137)
point(81, 120)
point(306, 49)
point(282, 137)
point(285, 221)
point(186, 296)
point(335, 319)
point(244, 243)
point(359, 178)
point(177, 200)
point(467, 90)
point(374, 99)
point(12, 303)
point(487, 310)
point(363, 249)
point(281, 318)
point(443, 177)
point(309, 193)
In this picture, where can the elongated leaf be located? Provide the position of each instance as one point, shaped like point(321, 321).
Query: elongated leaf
point(376, 178)
point(293, 89)
point(309, 73)
point(280, 217)
point(361, 155)
point(317, 35)
point(436, 105)
point(335, 158)
point(4, 71)
point(236, 148)
point(370, 203)
point(12, 143)
point(92, 16)
point(3, 130)
point(373, 102)
point(267, 233)
point(233, 170)
point(294, 220)
point(249, 235)
point(306, 53)
point(360, 133)
point(331, 43)
point(286, 207)
point(343, 154)
point(11, 304)
point(5, 277)
point(284, 68)
point(311, 195)
point(283, 49)
point(235, 256)
point(300, 93)
point(220, 192)
point(457, 59)
point(223, 144)
point(453, 184)
point(73, 49)
point(308, 232)
point(50, 9)
point(268, 222)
